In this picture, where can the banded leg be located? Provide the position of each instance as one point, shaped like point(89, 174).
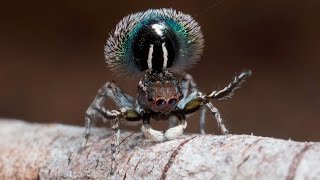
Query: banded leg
point(197, 100)
point(95, 110)
point(114, 143)
point(214, 111)
point(228, 91)
point(93, 114)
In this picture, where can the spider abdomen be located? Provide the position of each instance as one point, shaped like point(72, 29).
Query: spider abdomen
point(157, 39)
point(154, 46)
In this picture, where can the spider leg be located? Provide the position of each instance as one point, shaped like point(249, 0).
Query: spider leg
point(115, 116)
point(202, 121)
point(187, 83)
point(214, 111)
point(93, 114)
point(95, 110)
point(198, 100)
point(228, 91)
point(114, 143)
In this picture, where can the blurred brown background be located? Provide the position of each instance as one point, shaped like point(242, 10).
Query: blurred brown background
point(52, 60)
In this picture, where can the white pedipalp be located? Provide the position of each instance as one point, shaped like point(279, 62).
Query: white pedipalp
point(175, 132)
point(151, 134)
point(159, 136)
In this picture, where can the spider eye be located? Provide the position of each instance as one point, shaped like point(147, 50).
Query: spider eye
point(172, 101)
point(150, 99)
point(160, 102)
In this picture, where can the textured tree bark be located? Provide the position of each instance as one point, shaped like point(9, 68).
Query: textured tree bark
point(50, 151)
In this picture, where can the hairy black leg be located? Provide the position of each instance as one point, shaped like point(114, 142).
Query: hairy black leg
point(214, 111)
point(228, 91)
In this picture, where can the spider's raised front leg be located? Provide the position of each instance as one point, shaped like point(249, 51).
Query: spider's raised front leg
point(225, 93)
point(228, 91)
point(199, 101)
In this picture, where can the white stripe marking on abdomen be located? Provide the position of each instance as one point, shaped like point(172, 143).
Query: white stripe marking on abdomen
point(165, 56)
point(150, 56)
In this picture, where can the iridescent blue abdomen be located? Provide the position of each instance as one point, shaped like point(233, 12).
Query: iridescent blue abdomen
point(156, 40)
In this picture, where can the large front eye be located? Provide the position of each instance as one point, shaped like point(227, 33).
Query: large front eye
point(160, 102)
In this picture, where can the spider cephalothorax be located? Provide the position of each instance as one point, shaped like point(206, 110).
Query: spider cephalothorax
point(159, 92)
point(161, 43)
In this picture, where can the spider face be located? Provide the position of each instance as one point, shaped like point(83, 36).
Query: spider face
point(159, 92)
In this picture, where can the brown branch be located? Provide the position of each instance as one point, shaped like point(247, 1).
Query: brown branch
point(50, 151)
